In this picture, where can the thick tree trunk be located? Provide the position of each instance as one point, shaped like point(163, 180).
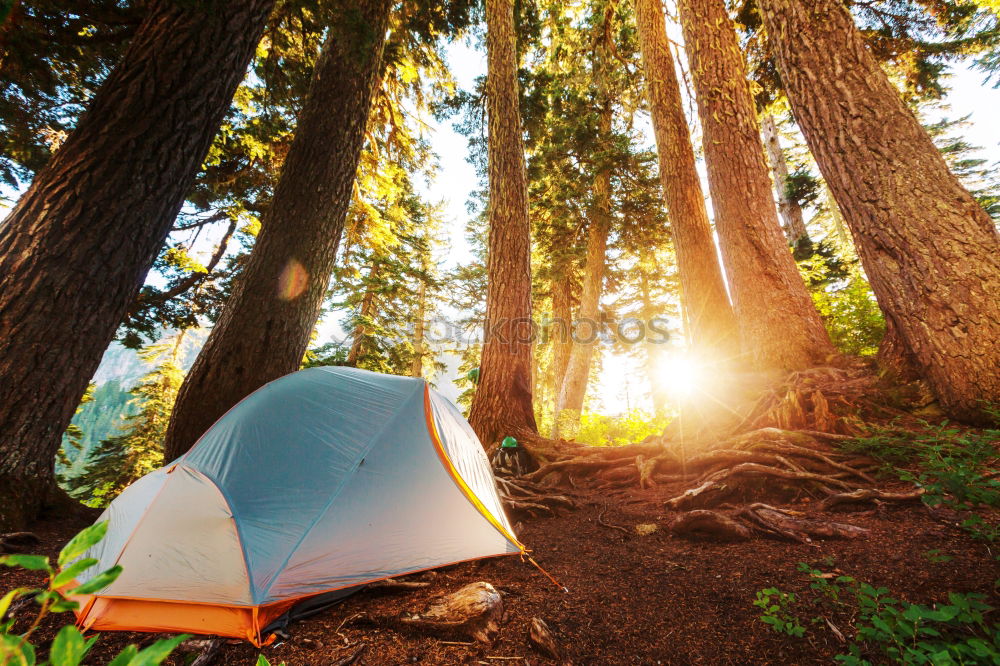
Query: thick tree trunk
point(78, 245)
point(792, 220)
point(931, 253)
point(779, 327)
point(503, 403)
point(587, 327)
point(711, 326)
point(264, 329)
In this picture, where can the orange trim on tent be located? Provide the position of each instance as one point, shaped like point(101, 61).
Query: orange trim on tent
point(459, 481)
point(116, 613)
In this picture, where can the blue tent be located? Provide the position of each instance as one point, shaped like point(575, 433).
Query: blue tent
point(322, 480)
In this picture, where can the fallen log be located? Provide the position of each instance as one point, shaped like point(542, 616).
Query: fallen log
point(473, 611)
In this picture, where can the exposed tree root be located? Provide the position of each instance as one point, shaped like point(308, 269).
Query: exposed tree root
point(791, 525)
point(781, 444)
point(520, 495)
point(710, 524)
point(866, 495)
point(761, 519)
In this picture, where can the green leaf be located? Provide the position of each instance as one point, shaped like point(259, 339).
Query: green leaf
point(262, 660)
point(15, 652)
point(67, 575)
point(63, 606)
point(79, 544)
point(9, 598)
point(32, 562)
point(68, 648)
point(124, 657)
point(98, 582)
point(158, 651)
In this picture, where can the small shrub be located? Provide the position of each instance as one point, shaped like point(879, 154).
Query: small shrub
point(69, 648)
point(777, 607)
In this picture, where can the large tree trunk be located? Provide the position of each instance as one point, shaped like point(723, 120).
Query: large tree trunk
point(711, 326)
point(502, 404)
point(931, 253)
point(779, 327)
point(587, 327)
point(78, 245)
point(264, 329)
point(792, 219)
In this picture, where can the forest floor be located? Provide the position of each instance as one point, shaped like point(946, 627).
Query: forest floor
point(635, 596)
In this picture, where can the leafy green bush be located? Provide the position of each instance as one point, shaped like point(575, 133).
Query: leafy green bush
point(905, 633)
point(898, 631)
point(69, 646)
point(956, 467)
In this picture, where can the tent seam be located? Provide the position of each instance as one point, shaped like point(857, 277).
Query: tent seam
point(333, 497)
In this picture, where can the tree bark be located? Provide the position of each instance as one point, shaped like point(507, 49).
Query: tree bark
point(264, 329)
point(792, 220)
point(711, 325)
point(587, 327)
point(931, 253)
point(779, 327)
point(502, 404)
point(562, 341)
point(78, 245)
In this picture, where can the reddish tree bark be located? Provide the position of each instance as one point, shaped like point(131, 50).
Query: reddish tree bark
point(779, 326)
point(502, 404)
point(707, 312)
point(76, 248)
point(930, 251)
point(264, 329)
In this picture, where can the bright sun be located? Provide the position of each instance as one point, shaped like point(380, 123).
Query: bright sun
point(680, 375)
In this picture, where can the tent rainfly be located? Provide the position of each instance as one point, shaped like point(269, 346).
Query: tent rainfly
point(317, 483)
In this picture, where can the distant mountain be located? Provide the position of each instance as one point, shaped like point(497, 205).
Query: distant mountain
point(121, 369)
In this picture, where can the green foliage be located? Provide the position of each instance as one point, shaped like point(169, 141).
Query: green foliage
point(118, 461)
point(956, 467)
point(905, 633)
point(846, 304)
point(602, 430)
point(899, 632)
point(777, 607)
point(69, 647)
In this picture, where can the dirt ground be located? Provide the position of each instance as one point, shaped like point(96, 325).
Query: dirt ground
point(632, 599)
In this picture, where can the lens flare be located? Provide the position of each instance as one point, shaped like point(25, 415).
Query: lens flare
point(292, 281)
point(681, 375)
